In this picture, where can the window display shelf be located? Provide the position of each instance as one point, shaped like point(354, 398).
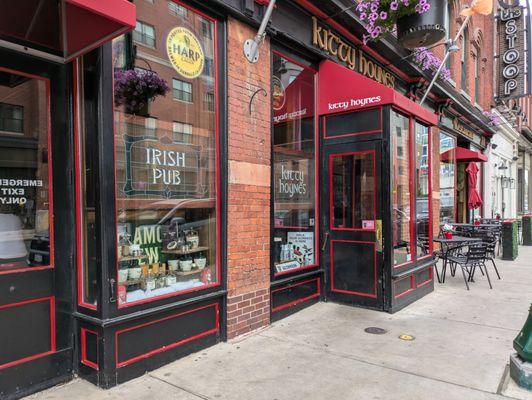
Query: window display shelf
point(177, 274)
point(185, 252)
point(132, 258)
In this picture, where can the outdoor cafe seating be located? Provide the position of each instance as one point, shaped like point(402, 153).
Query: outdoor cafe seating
point(468, 247)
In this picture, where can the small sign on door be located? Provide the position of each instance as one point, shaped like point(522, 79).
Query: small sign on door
point(368, 224)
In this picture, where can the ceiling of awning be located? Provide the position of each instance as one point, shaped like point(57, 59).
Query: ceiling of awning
point(61, 30)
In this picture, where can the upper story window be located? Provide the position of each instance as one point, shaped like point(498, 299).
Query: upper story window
point(208, 101)
point(206, 29)
point(11, 118)
point(477, 75)
point(182, 132)
point(463, 61)
point(448, 30)
point(177, 10)
point(182, 90)
point(144, 33)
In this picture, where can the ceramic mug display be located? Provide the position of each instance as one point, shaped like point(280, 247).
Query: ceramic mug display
point(185, 265)
point(173, 265)
point(200, 262)
point(135, 273)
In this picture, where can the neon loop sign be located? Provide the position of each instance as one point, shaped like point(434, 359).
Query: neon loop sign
point(511, 55)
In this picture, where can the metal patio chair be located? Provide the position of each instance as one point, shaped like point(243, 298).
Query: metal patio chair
point(469, 261)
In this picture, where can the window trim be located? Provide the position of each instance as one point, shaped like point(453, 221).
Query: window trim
point(50, 174)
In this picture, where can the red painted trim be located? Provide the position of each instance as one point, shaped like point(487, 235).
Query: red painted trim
point(298, 301)
point(50, 175)
point(218, 178)
point(80, 249)
point(316, 173)
point(372, 295)
point(52, 350)
point(412, 175)
point(166, 347)
point(371, 131)
point(84, 359)
point(331, 211)
point(410, 290)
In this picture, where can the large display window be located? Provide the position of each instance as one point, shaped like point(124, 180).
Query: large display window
point(26, 213)
point(411, 188)
point(447, 177)
point(166, 158)
point(294, 165)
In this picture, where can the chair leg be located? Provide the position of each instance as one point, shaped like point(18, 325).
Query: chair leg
point(437, 273)
point(487, 275)
point(496, 270)
point(465, 279)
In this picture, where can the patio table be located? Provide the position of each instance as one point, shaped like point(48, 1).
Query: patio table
point(447, 244)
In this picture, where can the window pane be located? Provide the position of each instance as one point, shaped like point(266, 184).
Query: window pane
point(353, 190)
point(447, 177)
point(294, 165)
point(422, 184)
point(25, 194)
point(166, 170)
point(87, 183)
point(400, 188)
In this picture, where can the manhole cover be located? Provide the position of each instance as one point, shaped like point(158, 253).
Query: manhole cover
point(375, 331)
point(406, 337)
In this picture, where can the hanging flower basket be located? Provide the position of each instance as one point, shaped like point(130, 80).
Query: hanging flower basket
point(423, 29)
point(134, 89)
point(419, 22)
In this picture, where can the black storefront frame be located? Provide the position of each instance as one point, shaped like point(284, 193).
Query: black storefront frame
point(101, 360)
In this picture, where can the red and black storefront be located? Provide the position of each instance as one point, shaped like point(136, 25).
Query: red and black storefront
point(120, 249)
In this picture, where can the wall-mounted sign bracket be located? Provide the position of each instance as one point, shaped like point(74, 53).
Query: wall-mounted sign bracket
point(251, 46)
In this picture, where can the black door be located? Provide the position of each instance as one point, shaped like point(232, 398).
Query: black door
point(36, 224)
point(352, 222)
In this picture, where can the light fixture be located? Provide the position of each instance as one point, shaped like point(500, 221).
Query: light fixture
point(494, 146)
point(503, 165)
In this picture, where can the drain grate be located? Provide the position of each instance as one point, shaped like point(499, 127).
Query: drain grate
point(375, 331)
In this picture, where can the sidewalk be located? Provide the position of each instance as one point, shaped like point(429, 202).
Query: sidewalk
point(462, 345)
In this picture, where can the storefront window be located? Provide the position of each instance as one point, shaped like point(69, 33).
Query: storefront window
point(400, 135)
point(294, 165)
point(422, 189)
point(26, 239)
point(447, 177)
point(166, 160)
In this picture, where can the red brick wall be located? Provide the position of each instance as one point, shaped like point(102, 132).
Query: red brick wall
point(248, 241)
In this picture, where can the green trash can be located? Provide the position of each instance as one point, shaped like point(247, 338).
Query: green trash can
point(527, 230)
point(510, 241)
point(523, 341)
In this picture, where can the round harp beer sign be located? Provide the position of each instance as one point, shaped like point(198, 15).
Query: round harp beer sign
point(185, 52)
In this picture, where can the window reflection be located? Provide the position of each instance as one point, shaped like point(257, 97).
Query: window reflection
point(422, 186)
point(400, 136)
point(25, 195)
point(447, 177)
point(165, 152)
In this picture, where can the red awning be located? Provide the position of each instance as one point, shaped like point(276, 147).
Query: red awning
point(341, 89)
point(62, 30)
point(461, 154)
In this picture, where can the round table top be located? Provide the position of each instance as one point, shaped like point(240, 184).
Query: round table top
point(456, 239)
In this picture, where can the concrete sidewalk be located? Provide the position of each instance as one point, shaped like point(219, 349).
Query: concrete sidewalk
point(462, 345)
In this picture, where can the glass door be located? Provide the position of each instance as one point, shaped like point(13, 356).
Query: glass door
point(352, 222)
point(36, 243)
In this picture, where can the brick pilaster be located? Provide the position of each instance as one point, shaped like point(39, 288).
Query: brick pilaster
point(249, 141)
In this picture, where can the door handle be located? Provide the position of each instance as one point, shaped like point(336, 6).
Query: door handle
point(112, 298)
point(325, 241)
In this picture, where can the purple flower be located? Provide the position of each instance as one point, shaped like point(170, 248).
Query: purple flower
point(394, 5)
point(363, 16)
point(135, 88)
point(384, 15)
point(374, 7)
